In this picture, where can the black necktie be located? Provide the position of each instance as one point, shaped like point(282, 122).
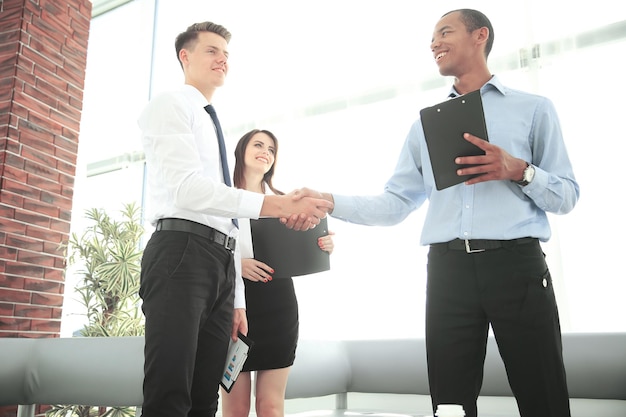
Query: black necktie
point(220, 140)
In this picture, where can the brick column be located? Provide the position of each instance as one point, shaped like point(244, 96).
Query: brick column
point(43, 51)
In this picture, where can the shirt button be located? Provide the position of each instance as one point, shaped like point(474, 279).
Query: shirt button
point(465, 233)
point(467, 206)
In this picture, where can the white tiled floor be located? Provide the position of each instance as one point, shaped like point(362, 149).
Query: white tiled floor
point(389, 405)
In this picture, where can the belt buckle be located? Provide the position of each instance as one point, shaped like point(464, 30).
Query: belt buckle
point(468, 249)
point(223, 240)
point(227, 243)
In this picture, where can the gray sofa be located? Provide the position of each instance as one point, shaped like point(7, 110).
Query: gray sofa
point(595, 365)
point(362, 376)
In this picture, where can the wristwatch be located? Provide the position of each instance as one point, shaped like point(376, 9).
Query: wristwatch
point(527, 177)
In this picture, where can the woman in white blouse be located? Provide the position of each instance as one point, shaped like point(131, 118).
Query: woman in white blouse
point(271, 304)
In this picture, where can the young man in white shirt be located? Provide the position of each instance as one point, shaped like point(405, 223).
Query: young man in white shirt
point(191, 300)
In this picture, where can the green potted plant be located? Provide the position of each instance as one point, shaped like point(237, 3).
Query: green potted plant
point(108, 256)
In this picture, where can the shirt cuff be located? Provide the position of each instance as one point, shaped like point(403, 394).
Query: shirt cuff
point(240, 293)
point(240, 288)
point(250, 205)
point(342, 206)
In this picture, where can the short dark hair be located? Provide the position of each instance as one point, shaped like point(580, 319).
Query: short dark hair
point(473, 19)
point(187, 38)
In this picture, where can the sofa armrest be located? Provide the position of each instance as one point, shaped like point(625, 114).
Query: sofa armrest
point(322, 367)
point(100, 371)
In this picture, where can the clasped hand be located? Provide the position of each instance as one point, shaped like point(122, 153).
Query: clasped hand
point(312, 202)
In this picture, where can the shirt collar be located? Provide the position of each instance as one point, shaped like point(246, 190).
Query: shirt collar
point(194, 95)
point(494, 82)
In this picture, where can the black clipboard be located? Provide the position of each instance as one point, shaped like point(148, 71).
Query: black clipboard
point(236, 357)
point(444, 125)
point(289, 252)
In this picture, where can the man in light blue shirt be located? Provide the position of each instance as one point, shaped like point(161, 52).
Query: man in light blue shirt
point(485, 264)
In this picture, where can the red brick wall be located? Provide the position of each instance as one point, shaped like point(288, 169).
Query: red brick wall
point(43, 52)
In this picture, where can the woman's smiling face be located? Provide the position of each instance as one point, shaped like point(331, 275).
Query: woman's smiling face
point(260, 153)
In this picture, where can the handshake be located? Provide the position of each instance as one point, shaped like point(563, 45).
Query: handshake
point(300, 209)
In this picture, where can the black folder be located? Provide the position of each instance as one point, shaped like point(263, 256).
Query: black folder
point(289, 252)
point(444, 125)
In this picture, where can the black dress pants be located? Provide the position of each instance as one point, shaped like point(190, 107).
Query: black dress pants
point(187, 287)
point(509, 288)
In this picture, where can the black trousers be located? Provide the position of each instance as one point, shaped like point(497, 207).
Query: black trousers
point(187, 287)
point(510, 289)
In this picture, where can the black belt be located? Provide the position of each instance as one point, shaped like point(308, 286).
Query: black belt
point(180, 225)
point(481, 245)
